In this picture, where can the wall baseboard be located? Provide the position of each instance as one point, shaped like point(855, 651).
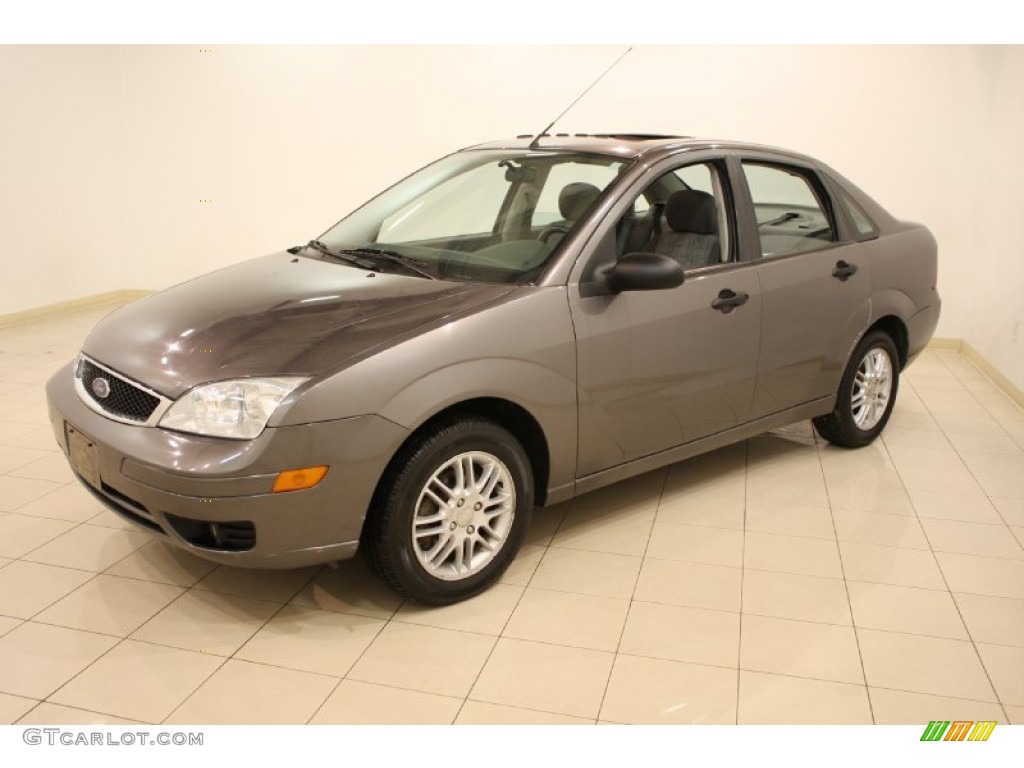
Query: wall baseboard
point(98, 299)
point(1007, 387)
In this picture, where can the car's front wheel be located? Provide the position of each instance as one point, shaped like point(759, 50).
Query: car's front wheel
point(451, 512)
point(867, 394)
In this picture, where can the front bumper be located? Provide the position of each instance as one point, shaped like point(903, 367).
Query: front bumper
point(213, 497)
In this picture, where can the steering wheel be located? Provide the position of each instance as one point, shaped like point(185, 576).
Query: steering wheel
point(553, 229)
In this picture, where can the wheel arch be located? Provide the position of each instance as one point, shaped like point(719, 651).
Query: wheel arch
point(897, 331)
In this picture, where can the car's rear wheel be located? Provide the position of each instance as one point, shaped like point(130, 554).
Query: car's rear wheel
point(867, 394)
point(451, 512)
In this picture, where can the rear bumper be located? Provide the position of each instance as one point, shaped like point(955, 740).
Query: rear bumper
point(921, 327)
point(213, 497)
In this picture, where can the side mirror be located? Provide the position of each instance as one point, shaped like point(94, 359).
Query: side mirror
point(644, 272)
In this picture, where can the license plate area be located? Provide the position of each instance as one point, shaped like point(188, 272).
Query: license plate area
point(84, 456)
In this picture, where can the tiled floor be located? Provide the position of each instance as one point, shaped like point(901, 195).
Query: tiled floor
point(779, 580)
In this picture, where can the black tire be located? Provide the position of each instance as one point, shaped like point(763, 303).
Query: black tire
point(388, 540)
point(840, 427)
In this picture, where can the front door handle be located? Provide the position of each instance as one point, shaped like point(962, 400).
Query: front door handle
point(728, 300)
point(844, 271)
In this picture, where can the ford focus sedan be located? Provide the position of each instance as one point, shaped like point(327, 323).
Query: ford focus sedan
point(513, 325)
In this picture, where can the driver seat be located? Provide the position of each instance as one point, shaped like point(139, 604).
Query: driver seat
point(573, 201)
point(692, 235)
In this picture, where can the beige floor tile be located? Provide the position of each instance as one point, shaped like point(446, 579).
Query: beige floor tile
point(676, 582)
point(794, 596)
point(884, 530)
point(906, 609)
point(972, 539)
point(564, 618)
point(916, 457)
point(481, 713)
point(696, 544)
point(682, 634)
point(487, 613)
point(707, 509)
point(999, 463)
point(4, 561)
point(617, 532)
point(780, 700)
point(7, 624)
point(13, 707)
point(891, 565)
point(590, 573)
point(110, 605)
point(658, 692)
point(207, 622)
point(271, 696)
point(355, 703)
point(938, 505)
point(27, 588)
point(1003, 485)
point(20, 534)
point(1010, 510)
point(768, 489)
point(162, 563)
point(70, 502)
point(38, 439)
point(549, 678)
point(55, 714)
point(89, 548)
point(107, 519)
point(11, 458)
point(311, 640)
point(36, 659)
point(792, 554)
point(51, 465)
point(968, 443)
point(800, 649)
point(856, 495)
point(905, 708)
point(543, 524)
point(982, 575)
point(789, 520)
point(271, 585)
point(424, 659)
point(996, 620)
point(911, 662)
point(11, 433)
point(17, 491)
point(524, 566)
point(1016, 714)
point(349, 588)
point(1005, 667)
point(139, 681)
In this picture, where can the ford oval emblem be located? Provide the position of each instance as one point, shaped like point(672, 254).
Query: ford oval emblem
point(101, 388)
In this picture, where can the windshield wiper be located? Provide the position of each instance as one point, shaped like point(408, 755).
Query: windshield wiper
point(319, 245)
point(413, 265)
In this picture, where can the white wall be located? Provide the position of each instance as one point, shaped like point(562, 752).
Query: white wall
point(112, 149)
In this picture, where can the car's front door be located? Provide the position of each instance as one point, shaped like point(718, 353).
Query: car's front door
point(815, 288)
point(660, 368)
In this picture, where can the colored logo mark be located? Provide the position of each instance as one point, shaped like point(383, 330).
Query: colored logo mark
point(958, 730)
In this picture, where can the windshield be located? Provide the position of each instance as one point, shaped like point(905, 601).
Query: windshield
point(490, 216)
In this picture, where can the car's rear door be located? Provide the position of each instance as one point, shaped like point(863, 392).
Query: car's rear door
point(815, 285)
point(660, 368)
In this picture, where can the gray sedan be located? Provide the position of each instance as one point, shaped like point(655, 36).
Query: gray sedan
point(513, 325)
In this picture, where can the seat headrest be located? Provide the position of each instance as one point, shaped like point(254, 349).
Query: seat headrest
point(690, 210)
point(575, 198)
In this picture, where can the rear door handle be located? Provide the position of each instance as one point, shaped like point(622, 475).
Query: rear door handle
point(728, 300)
point(844, 271)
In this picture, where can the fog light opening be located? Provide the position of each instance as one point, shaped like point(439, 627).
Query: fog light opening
point(298, 479)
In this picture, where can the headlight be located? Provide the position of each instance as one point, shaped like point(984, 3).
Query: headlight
point(239, 408)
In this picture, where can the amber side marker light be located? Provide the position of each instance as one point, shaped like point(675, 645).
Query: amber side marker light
point(298, 479)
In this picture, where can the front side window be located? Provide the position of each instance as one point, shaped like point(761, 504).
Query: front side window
point(490, 216)
point(791, 217)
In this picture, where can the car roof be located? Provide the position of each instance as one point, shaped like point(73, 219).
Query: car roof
point(649, 146)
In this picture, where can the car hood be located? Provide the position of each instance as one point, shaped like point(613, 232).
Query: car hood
point(275, 315)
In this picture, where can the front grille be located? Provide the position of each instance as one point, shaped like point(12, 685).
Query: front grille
point(125, 400)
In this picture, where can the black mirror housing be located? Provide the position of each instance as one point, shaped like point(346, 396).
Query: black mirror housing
point(644, 272)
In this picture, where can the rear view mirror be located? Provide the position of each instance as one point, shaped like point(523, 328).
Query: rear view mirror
point(644, 272)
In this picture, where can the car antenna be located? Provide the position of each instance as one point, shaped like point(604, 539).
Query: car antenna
point(536, 139)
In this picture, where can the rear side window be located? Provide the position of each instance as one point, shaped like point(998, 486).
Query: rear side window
point(864, 228)
point(791, 216)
